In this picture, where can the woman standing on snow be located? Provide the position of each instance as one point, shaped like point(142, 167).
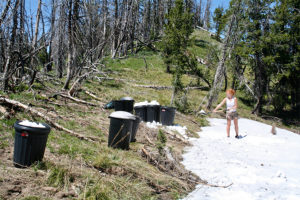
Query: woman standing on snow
point(231, 113)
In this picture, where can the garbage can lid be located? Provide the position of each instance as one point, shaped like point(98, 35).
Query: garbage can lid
point(122, 115)
point(127, 99)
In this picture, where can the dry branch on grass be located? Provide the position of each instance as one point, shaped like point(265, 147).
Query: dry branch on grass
point(92, 95)
point(176, 136)
point(152, 160)
point(159, 87)
point(68, 96)
point(48, 119)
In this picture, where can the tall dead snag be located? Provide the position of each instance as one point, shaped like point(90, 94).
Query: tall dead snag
point(219, 75)
point(4, 13)
point(34, 41)
point(37, 22)
point(59, 55)
point(73, 17)
point(115, 28)
point(52, 33)
point(7, 66)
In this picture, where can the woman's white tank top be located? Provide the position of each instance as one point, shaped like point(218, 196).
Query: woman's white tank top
point(230, 104)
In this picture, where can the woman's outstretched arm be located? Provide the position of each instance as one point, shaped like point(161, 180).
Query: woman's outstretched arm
point(220, 105)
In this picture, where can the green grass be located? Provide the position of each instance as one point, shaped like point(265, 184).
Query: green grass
point(31, 198)
point(71, 146)
point(59, 177)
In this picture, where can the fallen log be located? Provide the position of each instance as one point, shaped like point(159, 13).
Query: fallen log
point(67, 96)
point(92, 95)
point(158, 87)
point(46, 118)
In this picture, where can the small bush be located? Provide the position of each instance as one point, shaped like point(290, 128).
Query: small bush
point(161, 141)
point(104, 161)
point(59, 177)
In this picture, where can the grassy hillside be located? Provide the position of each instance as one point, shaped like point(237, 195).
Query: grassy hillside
point(79, 169)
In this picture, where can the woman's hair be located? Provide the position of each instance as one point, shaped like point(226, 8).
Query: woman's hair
point(230, 91)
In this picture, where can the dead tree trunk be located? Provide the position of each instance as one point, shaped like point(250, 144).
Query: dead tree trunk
point(52, 32)
point(105, 15)
point(37, 22)
point(219, 76)
point(61, 32)
point(4, 13)
point(72, 31)
point(11, 46)
point(34, 41)
point(70, 47)
point(115, 28)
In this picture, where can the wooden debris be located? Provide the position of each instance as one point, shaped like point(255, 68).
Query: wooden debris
point(151, 159)
point(4, 112)
point(48, 119)
point(158, 87)
point(92, 95)
point(67, 96)
point(176, 136)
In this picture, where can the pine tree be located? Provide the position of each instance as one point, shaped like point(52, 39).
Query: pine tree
point(176, 40)
point(257, 30)
point(219, 20)
point(284, 55)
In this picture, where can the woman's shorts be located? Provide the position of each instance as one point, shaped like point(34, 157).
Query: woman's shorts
point(232, 115)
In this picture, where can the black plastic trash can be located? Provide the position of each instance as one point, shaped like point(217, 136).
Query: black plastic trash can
point(120, 129)
point(141, 111)
point(124, 104)
point(135, 127)
point(167, 115)
point(153, 113)
point(30, 144)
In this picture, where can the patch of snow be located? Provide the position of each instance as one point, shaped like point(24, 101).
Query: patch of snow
point(122, 115)
point(146, 103)
point(31, 124)
point(153, 124)
point(180, 129)
point(259, 166)
point(143, 103)
point(153, 102)
point(202, 112)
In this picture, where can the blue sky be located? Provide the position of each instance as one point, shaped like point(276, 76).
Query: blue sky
point(32, 4)
point(31, 7)
point(216, 3)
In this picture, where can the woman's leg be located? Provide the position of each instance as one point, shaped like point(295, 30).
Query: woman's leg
point(228, 126)
point(236, 126)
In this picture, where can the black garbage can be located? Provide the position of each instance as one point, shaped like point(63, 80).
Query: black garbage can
point(167, 115)
point(120, 129)
point(30, 144)
point(135, 127)
point(124, 104)
point(141, 111)
point(153, 113)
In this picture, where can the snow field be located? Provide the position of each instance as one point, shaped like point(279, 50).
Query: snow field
point(259, 166)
